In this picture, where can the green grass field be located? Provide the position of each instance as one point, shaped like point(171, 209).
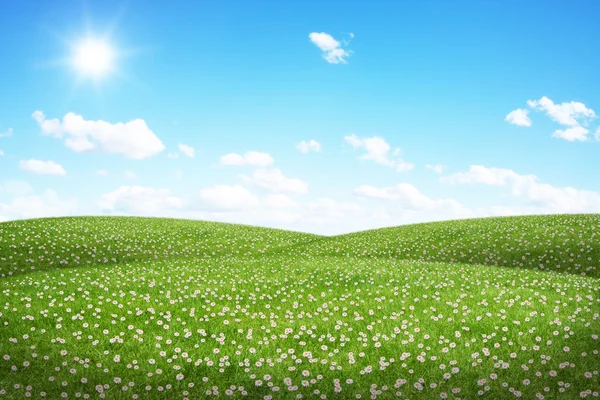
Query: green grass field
point(114, 307)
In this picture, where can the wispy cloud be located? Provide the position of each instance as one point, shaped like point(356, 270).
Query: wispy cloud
point(551, 198)
point(438, 168)
point(42, 167)
point(252, 158)
point(378, 151)
point(305, 146)
point(140, 200)
point(333, 52)
point(186, 150)
point(273, 180)
point(8, 133)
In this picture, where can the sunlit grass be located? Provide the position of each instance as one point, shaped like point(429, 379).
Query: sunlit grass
point(158, 308)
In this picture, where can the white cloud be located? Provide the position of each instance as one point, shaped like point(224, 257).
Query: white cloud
point(42, 167)
point(546, 198)
point(378, 151)
point(333, 53)
point(186, 150)
point(279, 201)
point(226, 197)
point(438, 168)
point(485, 175)
point(572, 134)
point(140, 200)
point(272, 179)
point(518, 117)
point(564, 113)
point(404, 204)
point(102, 172)
point(132, 139)
point(1, 153)
point(406, 196)
point(48, 204)
point(130, 174)
point(8, 133)
point(173, 155)
point(253, 158)
point(305, 146)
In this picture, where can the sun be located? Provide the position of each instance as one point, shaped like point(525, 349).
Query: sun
point(93, 57)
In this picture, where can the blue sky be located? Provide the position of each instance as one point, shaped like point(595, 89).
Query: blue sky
point(490, 103)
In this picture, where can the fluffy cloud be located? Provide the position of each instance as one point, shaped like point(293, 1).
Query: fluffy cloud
point(518, 117)
point(140, 200)
point(438, 168)
point(186, 150)
point(253, 158)
point(130, 174)
point(272, 179)
point(333, 52)
point(42, 167)
point(305, 146)
point(378, 151)
point(8, 133)
point(1, 153)
point(546, 198)
point(102, 172)
point(234, 197)
point(574, 115)
point(132, 139)
point(572, 134)
point(48, 204)
point(564, 113)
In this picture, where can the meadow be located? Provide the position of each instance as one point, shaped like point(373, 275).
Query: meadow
point(149, 308)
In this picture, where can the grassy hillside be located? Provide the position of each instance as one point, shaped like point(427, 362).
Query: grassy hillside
point(48, 243)
point(561, 243)
point(298, 320)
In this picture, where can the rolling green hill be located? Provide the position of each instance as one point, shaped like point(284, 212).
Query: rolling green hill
point(128, 308)
point(47, 243)
point(560, 243)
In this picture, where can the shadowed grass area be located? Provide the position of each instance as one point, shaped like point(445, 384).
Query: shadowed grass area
point(191, 309)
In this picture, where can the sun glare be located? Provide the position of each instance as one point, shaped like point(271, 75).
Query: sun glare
point(93, 57)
